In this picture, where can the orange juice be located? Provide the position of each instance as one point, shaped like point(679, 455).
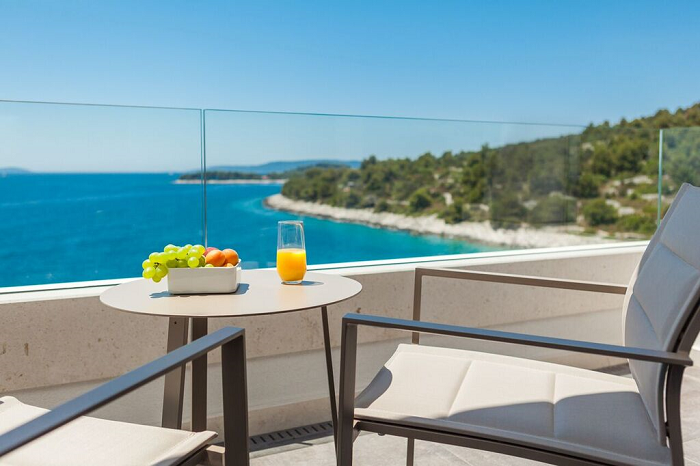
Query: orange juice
point(291, 264)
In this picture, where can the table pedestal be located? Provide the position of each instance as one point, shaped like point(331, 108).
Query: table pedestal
point(199, 379)
point(175, 380)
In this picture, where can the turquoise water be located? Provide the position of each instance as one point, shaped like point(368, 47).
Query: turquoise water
point(63, 228)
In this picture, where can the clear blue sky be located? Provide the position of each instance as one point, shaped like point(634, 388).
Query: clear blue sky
point(534, 61)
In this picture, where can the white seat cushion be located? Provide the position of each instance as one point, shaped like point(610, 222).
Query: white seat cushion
point(91, 441)
point(528, 402)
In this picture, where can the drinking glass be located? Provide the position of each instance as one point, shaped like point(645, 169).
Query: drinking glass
point(291, 251)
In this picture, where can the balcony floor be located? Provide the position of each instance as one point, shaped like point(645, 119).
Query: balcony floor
point(373, 450)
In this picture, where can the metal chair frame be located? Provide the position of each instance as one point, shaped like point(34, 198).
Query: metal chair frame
point(674, 363)
point(235, 398)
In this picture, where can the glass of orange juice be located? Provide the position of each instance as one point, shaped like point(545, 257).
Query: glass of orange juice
point(291, 251)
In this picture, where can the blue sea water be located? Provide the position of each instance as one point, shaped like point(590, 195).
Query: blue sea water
point(75, 227)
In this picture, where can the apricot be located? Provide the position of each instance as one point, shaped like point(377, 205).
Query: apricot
point(208, 250)
point(231, 256)
point(215, 258)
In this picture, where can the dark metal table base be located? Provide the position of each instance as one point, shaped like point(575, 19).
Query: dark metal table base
point(175, 380)
point(329, 373)
point(173, 393)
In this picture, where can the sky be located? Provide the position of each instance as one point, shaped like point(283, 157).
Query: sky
point(550, 62)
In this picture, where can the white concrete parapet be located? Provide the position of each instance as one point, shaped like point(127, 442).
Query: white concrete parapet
point(57, 341)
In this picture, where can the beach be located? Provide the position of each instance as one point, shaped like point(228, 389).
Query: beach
point(480, 232)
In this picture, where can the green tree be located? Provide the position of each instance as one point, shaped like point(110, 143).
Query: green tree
point(455, 213)
point(382, 206)
point(353, 200)
point(638, 223)
point(587, 186)
point(420, 200)
point(598, 212)
point(506, 210)
point(553, 210)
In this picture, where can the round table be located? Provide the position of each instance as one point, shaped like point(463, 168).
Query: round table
point(259, 293)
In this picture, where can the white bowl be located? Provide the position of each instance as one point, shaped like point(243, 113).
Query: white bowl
point(204, 280)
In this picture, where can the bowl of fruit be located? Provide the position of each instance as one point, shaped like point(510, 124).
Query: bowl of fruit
point(194, 269)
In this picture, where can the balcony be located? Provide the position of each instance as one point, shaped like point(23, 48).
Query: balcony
point(55, 348)
point(58, 340)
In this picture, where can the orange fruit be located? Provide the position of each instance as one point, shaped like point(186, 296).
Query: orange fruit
point(216, 258)
point(231, 256)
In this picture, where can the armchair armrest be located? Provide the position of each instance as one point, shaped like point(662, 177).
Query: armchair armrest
point(522, 280)
point(640, 354)
point(232, 341)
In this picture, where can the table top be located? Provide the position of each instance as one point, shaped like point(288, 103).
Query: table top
point(259, 293)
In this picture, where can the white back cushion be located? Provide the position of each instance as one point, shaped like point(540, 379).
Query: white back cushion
point(662, 295)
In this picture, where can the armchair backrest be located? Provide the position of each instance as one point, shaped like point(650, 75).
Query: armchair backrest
point(663, 297)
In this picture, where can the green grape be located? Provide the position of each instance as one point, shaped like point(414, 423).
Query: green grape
point(172, 264)
point(172, 255)
point(161, 271)
point(181, 263)
point(146, 264)
point(187, 246)
point(202, 261)
point(156, 278)
point(194, 253)
point(209, 265)
point(193, 262)
point(200, 248)
point(181, 253)
point(170, 247)
point(162, 258)
point(153, 257)
point(148, 272)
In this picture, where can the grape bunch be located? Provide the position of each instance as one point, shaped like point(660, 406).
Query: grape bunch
point(156, 266)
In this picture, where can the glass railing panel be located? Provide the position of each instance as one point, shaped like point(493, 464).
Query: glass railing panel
point(388, 188)
point(680, 162)
point(86, 192)
point(618, 180)
point(531, 184)
point(591, 184)
point(98, 200)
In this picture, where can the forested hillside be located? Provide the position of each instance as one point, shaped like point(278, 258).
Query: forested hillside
point(604, 178)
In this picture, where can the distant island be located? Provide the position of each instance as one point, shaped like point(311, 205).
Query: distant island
point(230, 177)
point(578, 188)
point(282, 166)
point(268, 173)
point(4, 171)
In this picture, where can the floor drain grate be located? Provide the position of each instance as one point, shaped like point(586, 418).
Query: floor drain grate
point(289, 436)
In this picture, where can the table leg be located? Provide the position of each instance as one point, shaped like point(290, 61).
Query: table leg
point(199, 379)
point(175, 379)
point(329, 371)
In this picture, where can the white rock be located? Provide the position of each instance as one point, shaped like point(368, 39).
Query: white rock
point(480, 232)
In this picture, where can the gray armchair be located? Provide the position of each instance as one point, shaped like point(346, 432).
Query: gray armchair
point(62, 436)
point(542, 411)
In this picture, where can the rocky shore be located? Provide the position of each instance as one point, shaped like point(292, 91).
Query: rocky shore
point(478, 232)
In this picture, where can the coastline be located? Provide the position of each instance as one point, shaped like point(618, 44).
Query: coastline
point(479, 232)
point(230, 181)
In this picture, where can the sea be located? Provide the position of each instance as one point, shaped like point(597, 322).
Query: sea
point(58, 228)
